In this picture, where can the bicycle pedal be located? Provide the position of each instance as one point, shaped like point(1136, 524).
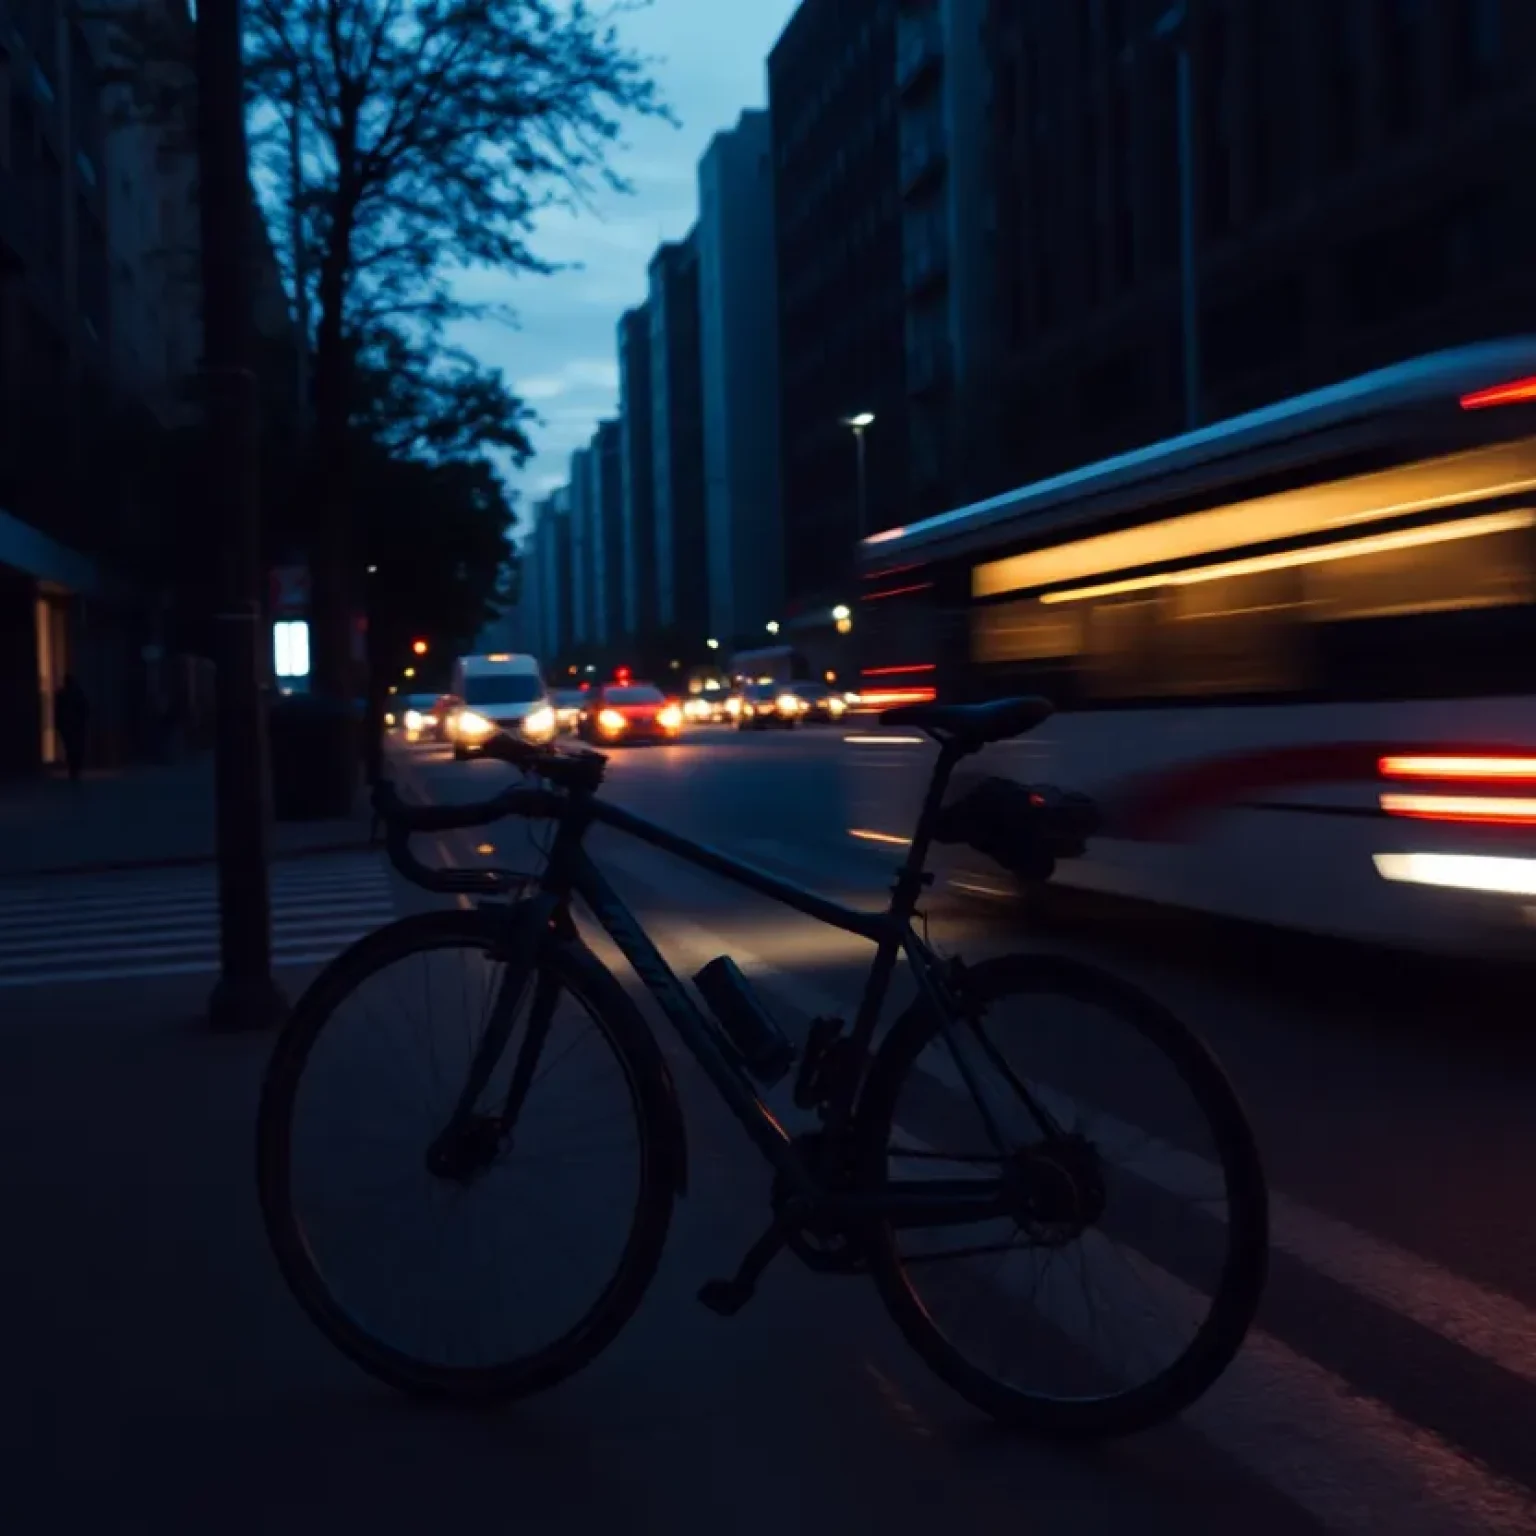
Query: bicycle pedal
point(725, 1298)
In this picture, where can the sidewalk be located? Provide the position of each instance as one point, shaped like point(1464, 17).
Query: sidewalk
point(138, 817)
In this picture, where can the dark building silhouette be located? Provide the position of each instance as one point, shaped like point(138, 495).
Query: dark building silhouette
point(677, 440)
point(608, 500)
point(638, 472)
point(837, 218)
point(1361, 193)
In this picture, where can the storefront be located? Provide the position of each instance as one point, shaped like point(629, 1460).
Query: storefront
point(57, 616)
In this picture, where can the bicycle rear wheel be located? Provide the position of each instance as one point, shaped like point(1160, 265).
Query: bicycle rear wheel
point(301, 1204)
point(918, 1119)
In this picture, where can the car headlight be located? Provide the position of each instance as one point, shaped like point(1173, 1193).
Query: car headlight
point(671, 718)
point(696, 709)
point(413, 721)
point(787, 703)
point(468, 723)
point(540, 723)
point(389, 719)
point(733, 706)
point(835, 707)
point(612, 721)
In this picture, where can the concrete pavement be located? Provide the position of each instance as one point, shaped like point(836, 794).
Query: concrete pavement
point(146, 815)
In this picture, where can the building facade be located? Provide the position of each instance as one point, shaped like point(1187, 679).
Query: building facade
point(677, 439)
point(608, 508)
point(637, 472)
point(943, 92)
point(1357, 198)
point(738, 349)
point(838, 241)
point(585, 554)
point(546, 597)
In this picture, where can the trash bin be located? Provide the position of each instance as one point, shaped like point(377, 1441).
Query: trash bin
point(316, 769)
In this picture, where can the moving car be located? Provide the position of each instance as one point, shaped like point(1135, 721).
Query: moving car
point(619, 713)
point(414, 716)
point(570, 706)
point(823, 704)
point(766, 705)
point(499, 693)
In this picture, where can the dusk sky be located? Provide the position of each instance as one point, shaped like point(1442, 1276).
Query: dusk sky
point(710, 62)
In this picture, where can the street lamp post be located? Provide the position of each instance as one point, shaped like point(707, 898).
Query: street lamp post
point(1173, 26)
point(861, 423)
point(246, 996)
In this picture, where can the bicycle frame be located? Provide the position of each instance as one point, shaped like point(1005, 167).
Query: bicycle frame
point(572, 872)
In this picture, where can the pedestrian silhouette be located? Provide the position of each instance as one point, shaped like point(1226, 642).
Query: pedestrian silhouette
point(71, 711)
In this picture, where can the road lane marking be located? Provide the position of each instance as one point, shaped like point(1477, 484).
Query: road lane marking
point(1345, 1458)
point(1486, 1323)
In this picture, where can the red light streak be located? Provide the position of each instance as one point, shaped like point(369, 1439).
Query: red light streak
point(1490, 769)
point(925, 666)
point(1487, 810)
point(1516, 392)
point(921, 586)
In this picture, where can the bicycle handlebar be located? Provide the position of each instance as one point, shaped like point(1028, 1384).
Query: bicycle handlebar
point(406, 819)
point(564, 770)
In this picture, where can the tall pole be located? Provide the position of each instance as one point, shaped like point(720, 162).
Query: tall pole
point(246, 997)
point(858, 438)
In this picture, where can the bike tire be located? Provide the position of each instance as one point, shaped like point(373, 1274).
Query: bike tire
point(662, 1160)
point(1241, 1287)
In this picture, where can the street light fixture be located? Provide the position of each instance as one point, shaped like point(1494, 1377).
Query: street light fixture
point(714, 645)
point(772, 626)
point(860, 423)
point(419, 647)
point(409, 672)
point(842, 611)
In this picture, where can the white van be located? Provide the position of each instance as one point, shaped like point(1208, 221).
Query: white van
point(498, 693)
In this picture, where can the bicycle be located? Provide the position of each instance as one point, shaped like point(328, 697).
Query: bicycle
point(835, 1204)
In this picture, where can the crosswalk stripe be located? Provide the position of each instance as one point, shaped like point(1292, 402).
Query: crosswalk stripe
point(147, 924)
point(182, 893)
point(208, 966)
point(190, 938)
point(137, 920)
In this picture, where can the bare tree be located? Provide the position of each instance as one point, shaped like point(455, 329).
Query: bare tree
point(431, 134)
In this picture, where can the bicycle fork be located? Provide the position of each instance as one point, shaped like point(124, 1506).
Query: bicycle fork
point(450, 1153)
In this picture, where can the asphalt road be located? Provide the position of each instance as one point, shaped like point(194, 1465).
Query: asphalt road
point(1392, 1381)
point(159, 1378)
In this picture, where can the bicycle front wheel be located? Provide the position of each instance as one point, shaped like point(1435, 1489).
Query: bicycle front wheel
point(506, 1278)
point(1135, 1200)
